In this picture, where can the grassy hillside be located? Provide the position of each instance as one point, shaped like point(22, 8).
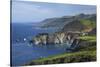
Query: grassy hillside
point(83, 56)
point(83, 25)
point(88, 38)
point(89, 25)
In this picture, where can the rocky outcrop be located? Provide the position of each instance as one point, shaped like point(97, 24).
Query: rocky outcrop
point(40, 39)
point(61, 38)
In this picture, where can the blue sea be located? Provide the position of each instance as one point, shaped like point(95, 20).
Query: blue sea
point(22, 51)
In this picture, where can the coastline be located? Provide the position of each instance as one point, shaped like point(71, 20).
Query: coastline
point(85, 53)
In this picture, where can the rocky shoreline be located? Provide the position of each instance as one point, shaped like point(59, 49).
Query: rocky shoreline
point(68, 38)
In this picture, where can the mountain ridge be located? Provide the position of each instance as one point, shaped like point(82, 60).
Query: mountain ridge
point(62, 21)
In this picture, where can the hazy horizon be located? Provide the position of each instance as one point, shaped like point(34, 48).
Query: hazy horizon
point(29, 11)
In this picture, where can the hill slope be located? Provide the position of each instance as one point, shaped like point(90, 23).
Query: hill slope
point(82, 25)
point(62, 21)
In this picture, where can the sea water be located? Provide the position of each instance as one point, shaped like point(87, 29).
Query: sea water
point(22, 52)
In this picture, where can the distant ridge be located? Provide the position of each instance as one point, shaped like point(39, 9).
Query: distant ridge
point(67, 21)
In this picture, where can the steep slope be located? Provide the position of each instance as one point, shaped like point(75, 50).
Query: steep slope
point(73, 26)
point(82, 25)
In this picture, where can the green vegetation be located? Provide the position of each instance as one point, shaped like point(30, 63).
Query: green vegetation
point(88, 23)
point(88, 43)
point(85, 52)
point(83, 56)
point(88, 38)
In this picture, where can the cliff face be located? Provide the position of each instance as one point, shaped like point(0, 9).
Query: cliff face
point(60, 38)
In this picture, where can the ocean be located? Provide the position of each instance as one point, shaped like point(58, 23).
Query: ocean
point(22, 52)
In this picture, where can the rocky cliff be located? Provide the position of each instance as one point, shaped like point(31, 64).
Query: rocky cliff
point(60, 38)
